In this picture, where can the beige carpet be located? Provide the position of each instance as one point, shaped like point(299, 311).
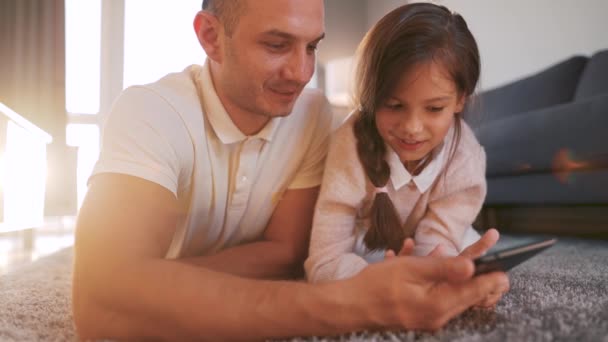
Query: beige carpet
point(560, 295)
point(35, 301)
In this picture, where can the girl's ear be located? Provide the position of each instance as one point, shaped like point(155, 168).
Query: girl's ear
point(460, 104)
point(209, 32)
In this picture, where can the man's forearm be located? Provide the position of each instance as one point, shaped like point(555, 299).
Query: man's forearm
point(181, 302)
point(264, 259)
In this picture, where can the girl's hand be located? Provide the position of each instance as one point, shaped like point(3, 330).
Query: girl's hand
point(479, 248)
point(406, 250)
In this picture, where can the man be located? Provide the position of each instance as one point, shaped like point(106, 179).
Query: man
point(209, 177)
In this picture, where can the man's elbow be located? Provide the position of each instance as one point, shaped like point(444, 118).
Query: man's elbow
point(294, 259)
point(91, 310)
point(85, 325)
point(86, 312)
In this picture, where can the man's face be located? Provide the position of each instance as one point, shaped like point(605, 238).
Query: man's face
point(270, 56)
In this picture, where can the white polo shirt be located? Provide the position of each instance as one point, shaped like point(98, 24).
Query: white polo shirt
point(176, 132)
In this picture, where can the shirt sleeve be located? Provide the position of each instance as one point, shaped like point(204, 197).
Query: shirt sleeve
point(333, 238)
point(456, 203)
point(142, 137)
point(310, 172)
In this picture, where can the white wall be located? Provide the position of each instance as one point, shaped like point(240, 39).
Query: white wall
point(345, 25)
point(344, 28)
point(519, 37)
point(376, 9)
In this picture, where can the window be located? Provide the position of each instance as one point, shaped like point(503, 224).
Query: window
point(156, 36)
point(159, 39)
point(86, 137)
point(82, 55)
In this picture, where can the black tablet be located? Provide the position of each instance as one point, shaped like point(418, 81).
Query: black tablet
point(508, 258)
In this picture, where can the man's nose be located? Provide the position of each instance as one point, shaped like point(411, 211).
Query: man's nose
point(300, 67)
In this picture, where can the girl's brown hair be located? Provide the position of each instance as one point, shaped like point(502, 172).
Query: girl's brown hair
point(409, 35)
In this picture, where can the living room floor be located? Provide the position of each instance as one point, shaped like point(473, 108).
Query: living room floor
point(18, 248)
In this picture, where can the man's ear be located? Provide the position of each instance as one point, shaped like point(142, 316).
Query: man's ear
point(209, 32)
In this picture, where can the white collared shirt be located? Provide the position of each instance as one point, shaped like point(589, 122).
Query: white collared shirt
point(175, 132)
point(423, 181)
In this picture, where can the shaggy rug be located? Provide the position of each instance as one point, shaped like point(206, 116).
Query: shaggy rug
point(560, 295)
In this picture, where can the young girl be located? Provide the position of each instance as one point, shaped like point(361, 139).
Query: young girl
point(404, 164)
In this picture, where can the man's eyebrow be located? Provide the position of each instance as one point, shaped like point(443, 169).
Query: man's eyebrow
point(279, 34)
point(285, 35)
point(319, 38)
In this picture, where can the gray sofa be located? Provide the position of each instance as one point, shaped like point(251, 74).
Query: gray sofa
point(546, 139)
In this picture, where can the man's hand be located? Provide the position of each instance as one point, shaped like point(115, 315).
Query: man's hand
point(477, 249)
point(423, 293)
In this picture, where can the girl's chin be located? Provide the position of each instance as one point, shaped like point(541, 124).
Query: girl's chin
point(411, 156)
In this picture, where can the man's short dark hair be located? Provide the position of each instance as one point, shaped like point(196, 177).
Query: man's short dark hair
point(227, 11)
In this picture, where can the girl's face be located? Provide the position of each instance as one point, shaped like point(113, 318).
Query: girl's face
point(419, 112)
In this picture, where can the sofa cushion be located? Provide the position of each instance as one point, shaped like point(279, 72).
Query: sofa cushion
point(594, 79)
point(549, 87)
point(567, 136)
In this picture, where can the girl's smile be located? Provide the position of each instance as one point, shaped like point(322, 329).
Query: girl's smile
point(409, 145)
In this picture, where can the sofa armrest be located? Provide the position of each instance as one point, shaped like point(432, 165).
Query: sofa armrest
point(559, 138)
point(549, 87)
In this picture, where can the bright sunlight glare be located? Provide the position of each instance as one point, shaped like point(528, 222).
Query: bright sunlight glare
point(83, 55)
point(159, 39)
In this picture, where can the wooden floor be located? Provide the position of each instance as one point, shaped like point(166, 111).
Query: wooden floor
point(585, 221)
point(19, 248)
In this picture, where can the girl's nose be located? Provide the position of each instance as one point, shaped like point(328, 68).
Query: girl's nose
point(411, 124)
